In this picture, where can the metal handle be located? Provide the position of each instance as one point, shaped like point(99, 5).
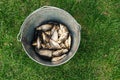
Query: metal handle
point(19, 36)
point(45, 7)
point(79, 26)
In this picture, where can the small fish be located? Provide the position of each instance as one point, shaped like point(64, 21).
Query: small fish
point(62, 45)
point(68, 42)
point(54, 45)
point(55, 27)
point(64, 51)
point(47, 53)
point(63, 37)
point(52, 30)
point(38, 43)
point(48, 45)
point(34, 44)
point(55, 36)
point(48, 33)
point(60, 32)
point(60, 52)
point(44, 27)
point(54, 59)
point(63, 28)
point(43, 45)
point(45, 37)
point(57, 52)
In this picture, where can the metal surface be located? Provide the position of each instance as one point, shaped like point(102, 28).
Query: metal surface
point(43, 15)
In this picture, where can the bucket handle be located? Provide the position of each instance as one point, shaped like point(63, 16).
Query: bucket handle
point(45, 7)
point(19, 36)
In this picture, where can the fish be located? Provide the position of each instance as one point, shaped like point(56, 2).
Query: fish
point(48, 33)
point(55, 27)
point(62, 45)
point(54, 59)
point(63, 37)
point(52, 30)
point(46, 53)
point(55, 36)
point(34, 43)
point(57, 52)
point(68, 42)
point(60, 32)
point(45, 37)
point(45, 27)
point(47, 45)
point(38, 43)
point(43, 45)
point(64, 51)
point(54, 45)
point(63, 28)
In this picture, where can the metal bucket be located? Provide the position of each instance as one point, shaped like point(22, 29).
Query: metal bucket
point(42, 15)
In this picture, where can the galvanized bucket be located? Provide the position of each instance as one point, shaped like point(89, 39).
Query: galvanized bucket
point(44, 14)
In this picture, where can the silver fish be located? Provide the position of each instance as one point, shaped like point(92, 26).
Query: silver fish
point(63, 28)
point(45, 37)
point(34, 44)
point(54, 45)
point(57, 52)
point(63, 37)
point(52, 30)
point(56, 27)
point(60, 52)
point(38, 43)
point(54, 59)
point(44, 27)
point(47, 53)
point(48, 33)
point(60, 32)
point(55, 36)
point(62, 45)
point(64, 51)
point(43, 45)
point(68, 42)
point(48, 45)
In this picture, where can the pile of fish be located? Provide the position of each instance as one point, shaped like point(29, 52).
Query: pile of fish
point(52, 40)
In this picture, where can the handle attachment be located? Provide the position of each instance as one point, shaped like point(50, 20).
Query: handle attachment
point(19, 37)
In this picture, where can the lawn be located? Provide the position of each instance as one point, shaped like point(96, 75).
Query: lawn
point(98, 56)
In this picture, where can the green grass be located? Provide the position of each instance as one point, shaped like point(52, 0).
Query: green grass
point(98, 56)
